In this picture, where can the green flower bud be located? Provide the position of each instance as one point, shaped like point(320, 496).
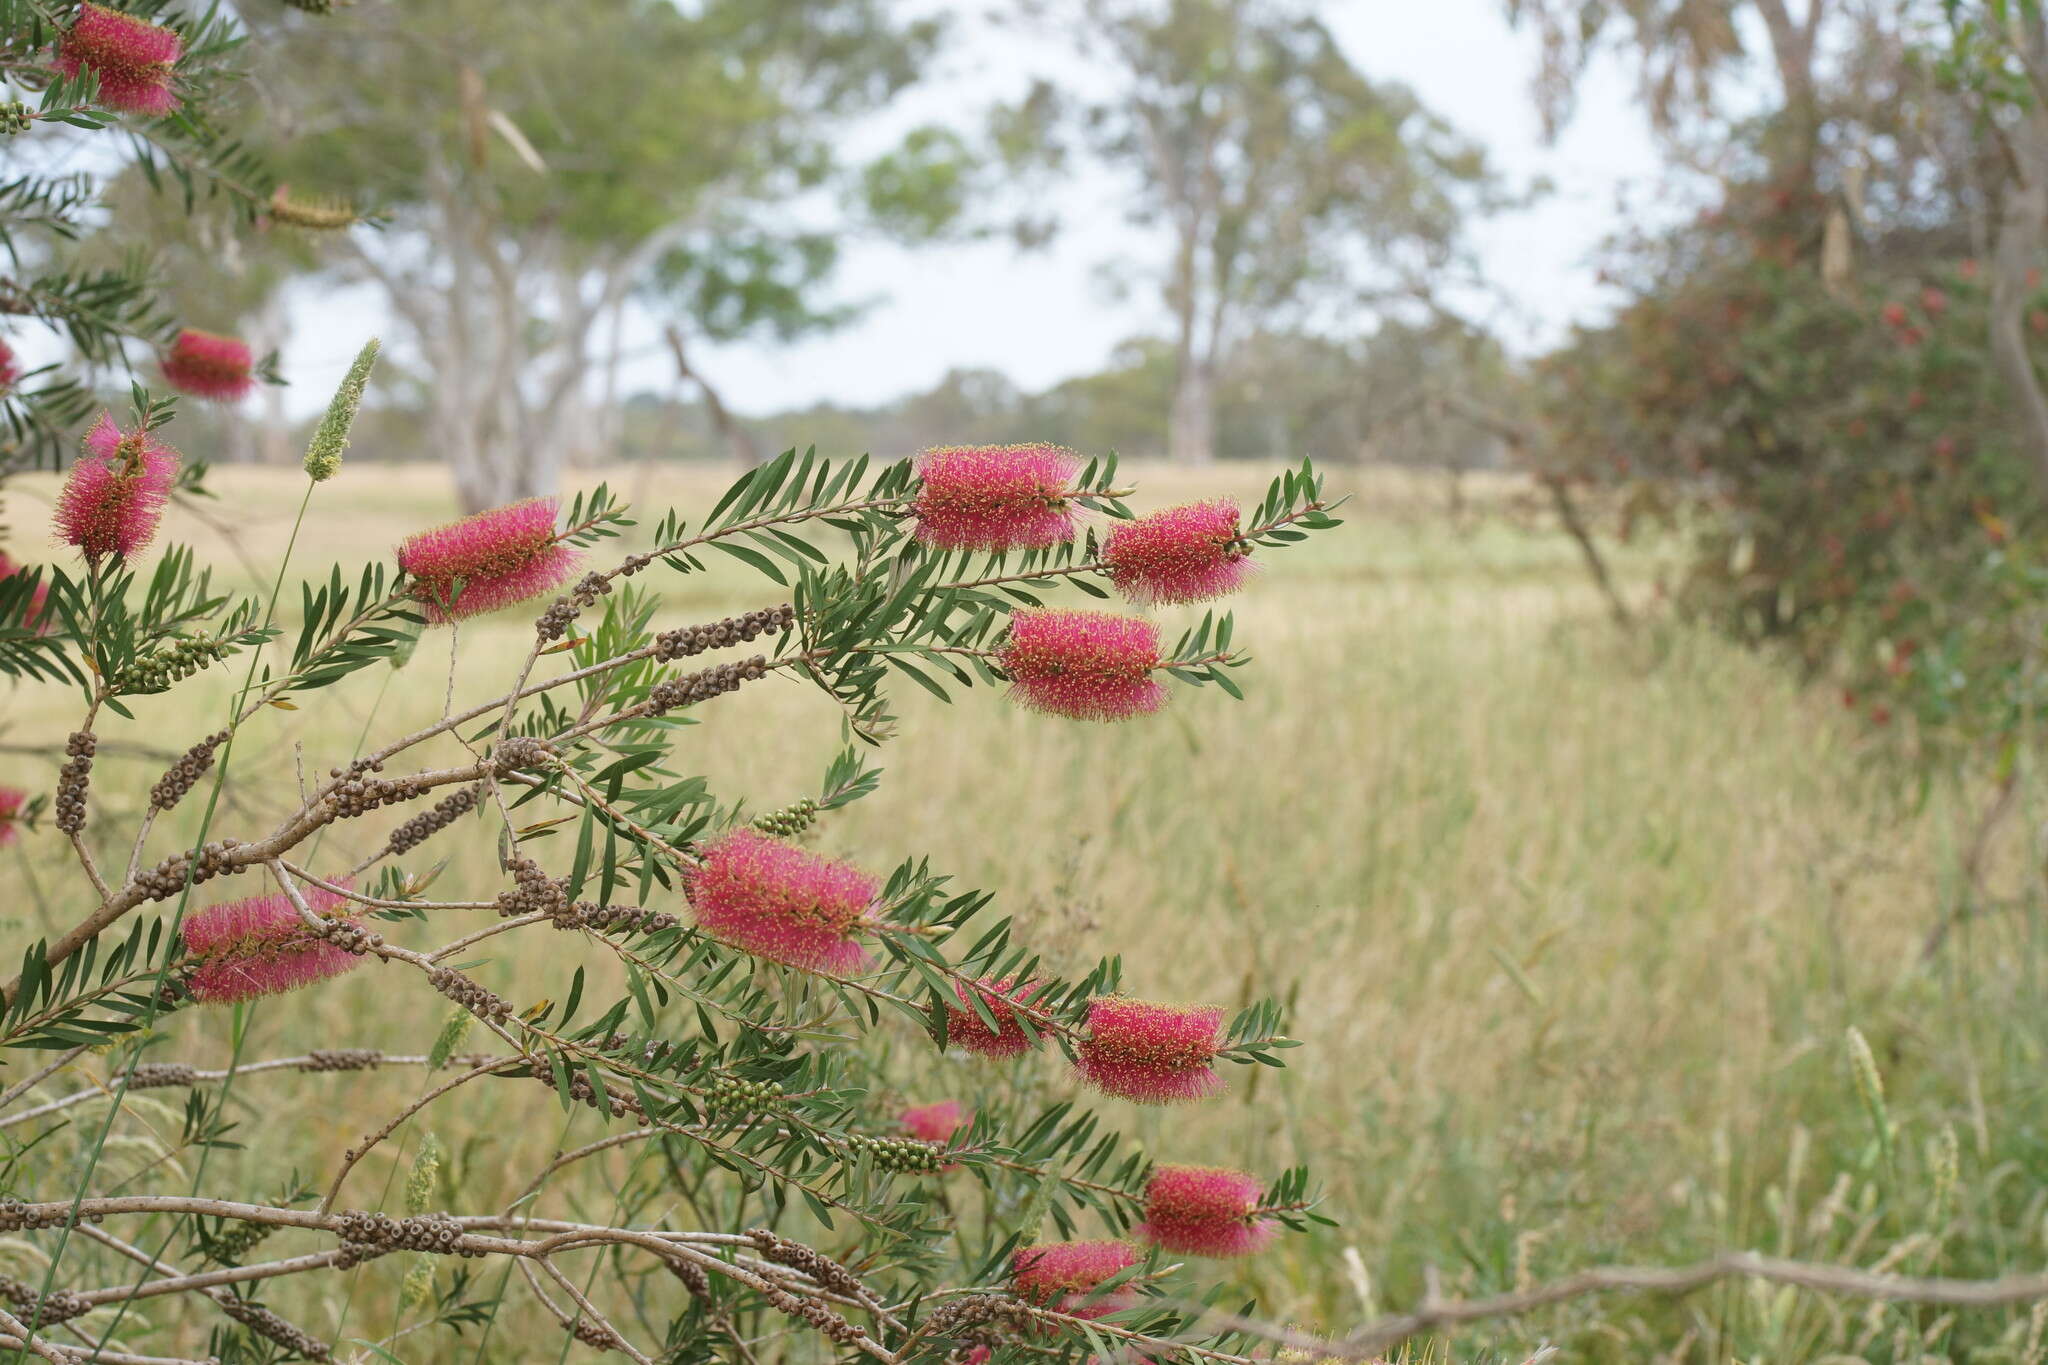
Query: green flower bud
point(323, 454)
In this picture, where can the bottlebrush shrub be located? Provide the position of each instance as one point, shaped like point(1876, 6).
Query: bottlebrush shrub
point(712, 971)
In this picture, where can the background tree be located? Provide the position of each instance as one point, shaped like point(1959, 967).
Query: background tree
point(538, 164)
point(1289, 186)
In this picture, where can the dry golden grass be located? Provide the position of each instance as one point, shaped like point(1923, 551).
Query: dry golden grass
point(1571, 924)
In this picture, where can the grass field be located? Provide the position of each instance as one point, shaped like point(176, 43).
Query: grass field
point(1572, 926)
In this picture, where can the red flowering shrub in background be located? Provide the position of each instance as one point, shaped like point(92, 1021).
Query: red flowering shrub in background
point(1838, 456)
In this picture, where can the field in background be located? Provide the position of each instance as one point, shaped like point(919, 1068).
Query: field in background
point(1572, 927)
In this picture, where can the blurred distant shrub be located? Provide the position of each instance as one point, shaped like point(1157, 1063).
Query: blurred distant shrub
point(1839, 455)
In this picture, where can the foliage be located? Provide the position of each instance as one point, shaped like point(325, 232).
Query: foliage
point(742, 1073)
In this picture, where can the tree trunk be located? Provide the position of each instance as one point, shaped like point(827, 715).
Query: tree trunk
point(737, 438)
point(1191, 426)
point(2022, 224)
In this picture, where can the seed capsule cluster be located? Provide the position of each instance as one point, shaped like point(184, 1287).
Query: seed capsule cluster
point(692, 1275)
point(73, 780)
point(684, 641)
point(172, 787)
point(581, 1091)
point(343, 1059)
point(821, 1268)
point(167, 878)
point(432, 821)
point(904, 1155)
point(703, 685)
point(593, 1335)
point(158, 1075)
point(483, 1003)
point(520, 753)
point(534, 892)
point(979, 1320)
point(745, 1097)
point(36, 1310)
point(814, 1313)
point(365, 1236)
point(631, 919)
point(348, 936)
point(354, 793)
point(267, 1324)
point(155, 670)
point(790, 821)
point(646, 1051)
point(553, 623)
point(16, 1216)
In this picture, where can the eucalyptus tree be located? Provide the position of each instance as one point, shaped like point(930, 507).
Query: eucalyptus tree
point(1290, 187)
point(534, 164)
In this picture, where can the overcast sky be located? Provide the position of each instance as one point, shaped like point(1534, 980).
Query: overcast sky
point(1044, 316)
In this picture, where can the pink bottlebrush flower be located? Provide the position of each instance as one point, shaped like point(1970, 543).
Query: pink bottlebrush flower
point(133, 59)
point(1205, 1211)
point(210, 366)
point(1189, 553)
point(1062, 1275)
point(12, 799)
point(774, 900)
point(260, 946)
point(935, 1123)
point(996, 497)
point(487, 561)
point(964, 1026)
point(8, 568)
point(114, 496)
point(1151, 1053)
point(1085, 665)
point(10, 367)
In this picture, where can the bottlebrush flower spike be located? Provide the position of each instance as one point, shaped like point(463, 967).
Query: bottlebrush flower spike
point(1085, 665)
point(114, 496)
point(10, 367)
point(1189, 553)
point(1205, 1211)
point(12, 799)
point(775, 900)
point(1061, 1276)
point(210, 366)
point(996, 497)
point(965, 1028)
point(934, 1122)
point(487, 561)
point(260, 946)
point(132, 58)
point(1151, 1053)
